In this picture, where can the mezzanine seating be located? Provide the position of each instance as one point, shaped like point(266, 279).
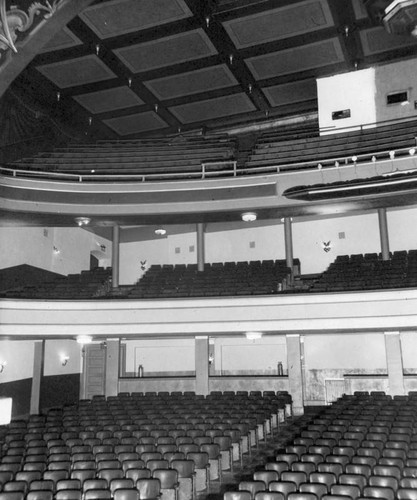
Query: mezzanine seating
point(86, 285)
point(217, 279)
point(369, 272)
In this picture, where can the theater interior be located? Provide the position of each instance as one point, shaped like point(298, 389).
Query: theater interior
point(208, 249)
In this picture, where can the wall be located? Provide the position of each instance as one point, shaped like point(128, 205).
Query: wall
point(162, 357)
point(60, 384)
point(332, 356)
point(61, 250)
point(16, 378)
point(364, 92)
point(355, 91)
point(396, 77)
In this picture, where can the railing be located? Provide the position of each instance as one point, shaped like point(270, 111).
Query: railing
point(230, 169)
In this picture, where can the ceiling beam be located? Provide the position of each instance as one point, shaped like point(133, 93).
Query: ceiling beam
point(16, 63)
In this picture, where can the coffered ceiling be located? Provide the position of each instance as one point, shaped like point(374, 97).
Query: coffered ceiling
point(131, 68)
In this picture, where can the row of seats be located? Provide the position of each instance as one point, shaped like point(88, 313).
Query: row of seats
point(369, 272)
point(181, 157)
point(134, 446)
point(228, 279)
point(363, 446)
point(312, 150)
point(85, 285)
point(142, 157)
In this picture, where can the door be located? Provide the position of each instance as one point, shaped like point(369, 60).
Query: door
point(94, 370)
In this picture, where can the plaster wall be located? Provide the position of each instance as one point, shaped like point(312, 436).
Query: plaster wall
point(354, 91)
point(19, 357)
point(54, 350)
point(396, 77)
point(61, 250)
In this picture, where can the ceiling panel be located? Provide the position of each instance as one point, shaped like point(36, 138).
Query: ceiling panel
point(192, 82)
point(377, 40)
point(288, 93)
point(296, 59)
point(291, 20)
point(118, 17)
point(166, 51)
point(359, 9)
point(80, 71)
point(108, 99)
point(64, 39)
point(213, 108)
point(136, 123)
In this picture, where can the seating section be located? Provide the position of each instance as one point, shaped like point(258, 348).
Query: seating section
point(362, 446)
point(369, 272)
point(155, 159)
point(307, 152)
point(86, 285)
point(218, 279)
point(167, 444)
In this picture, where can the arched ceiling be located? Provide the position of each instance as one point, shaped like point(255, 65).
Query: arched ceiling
point(130, 68)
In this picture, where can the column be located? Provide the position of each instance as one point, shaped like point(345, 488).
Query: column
point(288, 243)
point(115, 257)
point(200, 247)
point(383, 233)
point(394, 363)
point(202, 365)
point(38, 359)
point(295, 376)
point(111, 387)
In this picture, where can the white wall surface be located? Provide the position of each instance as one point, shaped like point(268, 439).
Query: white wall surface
point(54, 350)
point(396, 77)
point(161, 355)
point(355, 91)
point(361, 351)
point(19, 357)
point(61, 250)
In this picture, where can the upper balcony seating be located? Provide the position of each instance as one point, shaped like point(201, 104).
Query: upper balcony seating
point(86, 285)
point(218, 279)
point(140, 157)
point(369, 272)
point(341, 146)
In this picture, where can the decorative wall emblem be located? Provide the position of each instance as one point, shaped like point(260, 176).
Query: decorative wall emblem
point(16, 20)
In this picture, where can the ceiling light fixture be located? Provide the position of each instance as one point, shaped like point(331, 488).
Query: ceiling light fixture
point(160, 231)
point(84, 339)
point(82, 221)
point(249, 217)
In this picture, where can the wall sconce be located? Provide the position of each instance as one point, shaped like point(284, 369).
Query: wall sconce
point(64, 360)
point(2, 366)
point(56, 250)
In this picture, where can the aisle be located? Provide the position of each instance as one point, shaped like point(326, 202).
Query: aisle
point(257, 460)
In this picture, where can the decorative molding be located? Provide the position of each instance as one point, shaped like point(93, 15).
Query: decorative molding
point(15, 21)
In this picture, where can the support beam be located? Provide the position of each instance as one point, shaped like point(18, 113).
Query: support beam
point(394, 363)
point(295, 375)
point(111, 387)
point(200, 247)
point(289, 257)
point(33, 44)
point(202, 365)
point(115, 261)
point(383, 233)
point(38, 360)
